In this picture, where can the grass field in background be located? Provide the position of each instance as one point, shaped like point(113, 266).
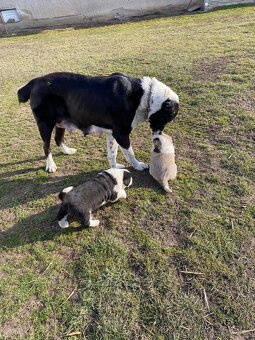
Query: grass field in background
point(177, 266)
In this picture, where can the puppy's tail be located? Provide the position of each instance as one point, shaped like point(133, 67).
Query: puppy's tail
point(167, 189)
point(165, 186)
point(63, 193)
point(24, 92)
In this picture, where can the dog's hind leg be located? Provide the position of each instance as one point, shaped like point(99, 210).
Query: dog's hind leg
point(112, 150)
point(45, 130)
point(59, 139)
point(86, 219)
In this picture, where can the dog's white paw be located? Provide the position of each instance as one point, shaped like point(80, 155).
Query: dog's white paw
point(140, 166)
point(66, 150)
point(50, 164)
point(51, 167)
point(94, 223)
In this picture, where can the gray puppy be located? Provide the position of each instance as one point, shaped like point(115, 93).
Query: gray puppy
point(79, 202)
point(162, 164)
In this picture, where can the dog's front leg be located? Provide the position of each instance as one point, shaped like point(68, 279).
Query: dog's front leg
point(126, 148)
point(130, 156)
point(112, 150)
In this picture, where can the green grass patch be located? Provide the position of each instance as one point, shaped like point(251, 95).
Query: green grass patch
point(177, 266)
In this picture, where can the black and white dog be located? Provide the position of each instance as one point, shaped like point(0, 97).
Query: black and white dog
point(79, 202)
point(115, 104)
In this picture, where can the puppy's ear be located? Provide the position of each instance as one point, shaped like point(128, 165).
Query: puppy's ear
point(127, 178)
point(157, 145)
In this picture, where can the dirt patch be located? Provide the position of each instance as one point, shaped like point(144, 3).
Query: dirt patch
point(21, 325)
point(7, 215)
point(211, 69)
point(249, 246)
point(66, 255)
point(168, 237)
point(245, 101)
point(11, 257)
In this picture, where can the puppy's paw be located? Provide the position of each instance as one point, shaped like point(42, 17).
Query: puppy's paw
point(141, 166)
point(63, 223)
point(122, 194)
point(94, 223)
point(66, 150)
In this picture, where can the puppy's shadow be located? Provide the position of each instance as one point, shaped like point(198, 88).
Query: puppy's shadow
point(38, 227)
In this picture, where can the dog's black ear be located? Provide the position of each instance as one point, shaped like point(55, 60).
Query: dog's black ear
point(127, 178)
point(157, 145)
point(61, 195)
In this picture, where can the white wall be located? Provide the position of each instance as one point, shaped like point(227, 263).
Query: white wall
point(218, 3)
point(46, 9)
point(41, 14)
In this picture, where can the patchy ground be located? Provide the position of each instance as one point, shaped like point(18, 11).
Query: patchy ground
point(177, 266)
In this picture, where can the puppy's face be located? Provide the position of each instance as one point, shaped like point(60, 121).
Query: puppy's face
point(127, 178)
point(156, 145)
point(122, 177)
point(162, 143)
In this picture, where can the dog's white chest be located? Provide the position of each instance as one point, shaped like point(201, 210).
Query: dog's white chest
point(140, 117)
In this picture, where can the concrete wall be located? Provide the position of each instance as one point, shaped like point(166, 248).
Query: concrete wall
point(36, 14)
point(210, 4)
point(44, 14)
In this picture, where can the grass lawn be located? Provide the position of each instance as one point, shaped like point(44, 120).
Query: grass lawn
point(177, 266)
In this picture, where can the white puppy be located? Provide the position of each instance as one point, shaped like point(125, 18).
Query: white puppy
point(162, 164)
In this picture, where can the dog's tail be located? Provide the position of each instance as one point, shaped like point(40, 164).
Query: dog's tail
point(63, 193)
point(24, 92)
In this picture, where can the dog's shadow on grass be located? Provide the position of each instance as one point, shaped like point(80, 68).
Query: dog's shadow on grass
point(142, 179)
point(16, 189)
